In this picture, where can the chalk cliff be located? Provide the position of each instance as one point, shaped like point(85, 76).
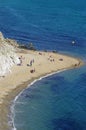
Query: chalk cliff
point(8, 55)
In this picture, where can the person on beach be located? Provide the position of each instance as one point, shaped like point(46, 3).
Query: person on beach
point(32, 60)
point(20, 61)
point(60, 59)
point(32, 71)
point(21, 58)
point(31, 63)
point(53, 60)
point(40, 53)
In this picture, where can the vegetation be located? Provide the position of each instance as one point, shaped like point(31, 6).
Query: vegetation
point(45, 51)
point(54, 51)
point(29, 46)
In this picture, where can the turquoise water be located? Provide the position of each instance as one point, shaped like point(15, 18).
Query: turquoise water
point(57, 102)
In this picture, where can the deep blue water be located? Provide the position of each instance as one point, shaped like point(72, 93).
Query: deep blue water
point(57, 102)
point(45, 23)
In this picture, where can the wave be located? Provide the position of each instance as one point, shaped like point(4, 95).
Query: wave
point(12, 115)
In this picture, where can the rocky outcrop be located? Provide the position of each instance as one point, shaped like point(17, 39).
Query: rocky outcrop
point(8, 55)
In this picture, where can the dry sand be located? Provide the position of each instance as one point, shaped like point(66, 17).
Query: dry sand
point(21, 76)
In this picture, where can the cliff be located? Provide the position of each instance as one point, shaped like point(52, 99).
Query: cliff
point(8, 55)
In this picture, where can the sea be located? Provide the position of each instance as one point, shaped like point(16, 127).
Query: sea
point(57, 101)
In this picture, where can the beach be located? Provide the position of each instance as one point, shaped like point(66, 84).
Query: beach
point(41, 90)
point(34, 65)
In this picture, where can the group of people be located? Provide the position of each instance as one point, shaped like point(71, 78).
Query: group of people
point(51, 59)
point(30, 64)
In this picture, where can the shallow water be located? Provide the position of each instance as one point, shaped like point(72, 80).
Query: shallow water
point(57, 102)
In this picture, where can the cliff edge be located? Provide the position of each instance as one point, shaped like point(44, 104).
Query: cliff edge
point(8, 55)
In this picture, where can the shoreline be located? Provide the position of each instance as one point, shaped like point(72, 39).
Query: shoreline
point(8, 99)
point(14, 100)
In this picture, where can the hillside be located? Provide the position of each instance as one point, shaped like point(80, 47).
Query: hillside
point(8, 55)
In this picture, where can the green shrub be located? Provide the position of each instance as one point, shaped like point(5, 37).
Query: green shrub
point(27, 46)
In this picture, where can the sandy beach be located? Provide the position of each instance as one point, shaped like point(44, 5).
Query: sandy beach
point(34, 65)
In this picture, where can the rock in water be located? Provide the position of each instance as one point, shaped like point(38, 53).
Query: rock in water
point(73, 42)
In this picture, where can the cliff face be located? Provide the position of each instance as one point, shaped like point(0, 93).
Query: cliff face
point(8, 56)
